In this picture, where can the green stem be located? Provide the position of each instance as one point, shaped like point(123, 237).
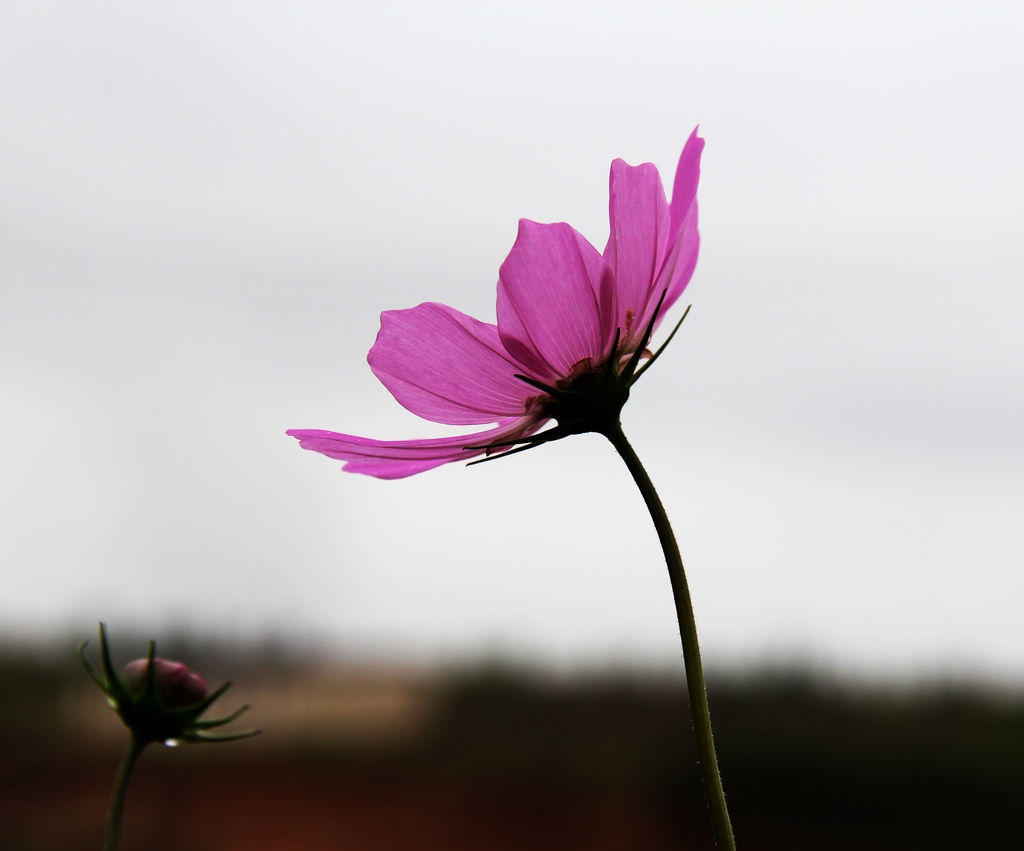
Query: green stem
point(688, 633)
point(112, 836)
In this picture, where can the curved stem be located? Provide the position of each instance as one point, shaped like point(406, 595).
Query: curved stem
point(112, 835)
point(688, 634)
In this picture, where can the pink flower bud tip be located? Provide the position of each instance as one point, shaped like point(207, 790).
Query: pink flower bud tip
point(176, 686)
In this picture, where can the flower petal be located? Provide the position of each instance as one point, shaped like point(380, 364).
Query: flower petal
point(685, 238)
point(401, 458)
point(447, 367)
point(684, 187)
point(681, 262)
point(638, 242)
point(554, 298)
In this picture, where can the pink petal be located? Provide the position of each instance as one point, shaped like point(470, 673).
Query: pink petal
point(682, 261)
point(447, 367)
point(554, 299)
point(685, 243)
point(684, 187)
point(399, 459)
point(638, 242)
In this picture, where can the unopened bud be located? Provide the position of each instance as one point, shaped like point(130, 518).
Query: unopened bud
point(175, 685)
point(163, 703)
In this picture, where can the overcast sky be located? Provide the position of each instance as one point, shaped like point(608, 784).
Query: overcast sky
point(204, 207)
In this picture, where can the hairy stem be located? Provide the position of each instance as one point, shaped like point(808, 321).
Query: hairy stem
point(115, 815)
point(688, 634)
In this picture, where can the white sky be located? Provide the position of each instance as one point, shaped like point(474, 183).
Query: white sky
point(205, 207)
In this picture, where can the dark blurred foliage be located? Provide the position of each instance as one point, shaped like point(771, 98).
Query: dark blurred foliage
point(511, 760)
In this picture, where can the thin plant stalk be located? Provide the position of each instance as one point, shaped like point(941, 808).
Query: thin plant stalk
point(115, 815)
point(688, 633)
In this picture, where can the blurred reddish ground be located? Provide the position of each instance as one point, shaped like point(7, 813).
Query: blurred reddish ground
point(494, 761)
point(281, 805)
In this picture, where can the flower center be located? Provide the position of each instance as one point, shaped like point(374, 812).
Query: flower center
point(589, 399)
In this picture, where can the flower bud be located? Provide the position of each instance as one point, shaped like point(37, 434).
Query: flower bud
point(162, 703)
point(175, 685)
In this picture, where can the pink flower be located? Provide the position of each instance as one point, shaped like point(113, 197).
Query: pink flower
point(572, 327)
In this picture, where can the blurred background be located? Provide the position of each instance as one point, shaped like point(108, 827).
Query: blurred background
point(205, 207)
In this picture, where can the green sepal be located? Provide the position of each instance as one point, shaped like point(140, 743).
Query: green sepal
point(220, 722)
point(115, 688)
point(211, 698)
point(89, 666)
point(661, 348)
point(214, 738)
